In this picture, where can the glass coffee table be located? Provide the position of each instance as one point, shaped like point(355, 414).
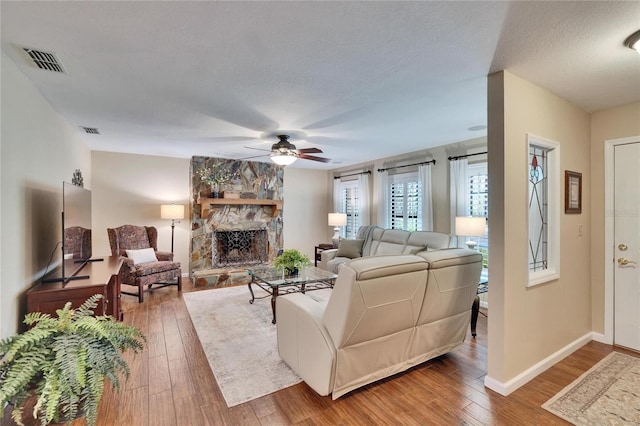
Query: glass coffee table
point(275, 283)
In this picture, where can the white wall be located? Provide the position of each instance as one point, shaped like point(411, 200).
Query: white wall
point(129, 189)
point(527, 325)
point(305, 209)
point(39, 151)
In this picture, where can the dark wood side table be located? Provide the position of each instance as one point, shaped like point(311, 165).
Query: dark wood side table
point(475, 308)
point(103, 279)
point(319, 249)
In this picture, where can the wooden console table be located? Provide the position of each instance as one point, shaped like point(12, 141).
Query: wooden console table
point(103, 279)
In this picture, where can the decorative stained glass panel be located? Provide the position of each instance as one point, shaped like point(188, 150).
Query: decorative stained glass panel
point(538, 207)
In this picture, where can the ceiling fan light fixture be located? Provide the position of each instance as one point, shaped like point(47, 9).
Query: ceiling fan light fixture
point(283, 159)
point(633, 41)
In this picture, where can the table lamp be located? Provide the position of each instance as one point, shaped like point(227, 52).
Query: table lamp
point(337, 220)
point(470, 226)
point(173, 212)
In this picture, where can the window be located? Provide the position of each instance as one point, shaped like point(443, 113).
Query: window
point(478, 192)
point(543, 207)
point(405, 198)
point(349, 191)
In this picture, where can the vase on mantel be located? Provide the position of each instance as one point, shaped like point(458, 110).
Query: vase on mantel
point(215, 191)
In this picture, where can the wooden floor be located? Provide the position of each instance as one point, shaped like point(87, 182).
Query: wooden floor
point(171, 384)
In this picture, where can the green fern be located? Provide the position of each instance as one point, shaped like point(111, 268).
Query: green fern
point(64, 360)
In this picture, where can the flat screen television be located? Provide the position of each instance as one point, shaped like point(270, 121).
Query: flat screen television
point(76, 231)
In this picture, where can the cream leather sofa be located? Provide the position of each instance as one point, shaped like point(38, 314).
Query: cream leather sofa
point(385, 315)
point(380, 241)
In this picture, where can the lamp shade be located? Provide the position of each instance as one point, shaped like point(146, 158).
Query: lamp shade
point(284, 159)
point(172, 211)
point(337, 219)
point(470, 226)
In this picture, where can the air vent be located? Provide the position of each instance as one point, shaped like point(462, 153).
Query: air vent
point(45, 60)
point(90, 130)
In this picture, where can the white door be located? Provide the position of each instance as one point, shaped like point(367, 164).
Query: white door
point(627, 245)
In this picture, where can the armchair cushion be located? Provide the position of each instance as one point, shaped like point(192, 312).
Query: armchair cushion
point(142, 256)
point(350, 248)
point(150, 268)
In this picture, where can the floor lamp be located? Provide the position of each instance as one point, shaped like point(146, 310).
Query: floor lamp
point(470, 226)
point(173, 212)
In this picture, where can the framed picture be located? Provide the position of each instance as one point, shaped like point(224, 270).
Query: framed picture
point(572, 192)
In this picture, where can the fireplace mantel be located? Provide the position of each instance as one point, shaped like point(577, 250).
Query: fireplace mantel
point(205, 204)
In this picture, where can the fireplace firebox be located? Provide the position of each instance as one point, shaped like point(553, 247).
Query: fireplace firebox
point(239, 247)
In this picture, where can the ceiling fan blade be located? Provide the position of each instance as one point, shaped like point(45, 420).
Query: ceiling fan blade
point(309, 151)
point(258, 149)
point(254, 156)
point(314, 158)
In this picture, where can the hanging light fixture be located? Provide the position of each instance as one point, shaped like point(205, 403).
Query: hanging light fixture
point(283, 158)
point(633, 41)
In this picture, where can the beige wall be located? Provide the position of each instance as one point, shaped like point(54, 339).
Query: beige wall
point(615, 123)
point(439, 176)
point(528, 325)
point(39, 151)
point(305, 209)
point(129, 189)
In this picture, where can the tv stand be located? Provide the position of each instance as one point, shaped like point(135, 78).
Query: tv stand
point(47, 297)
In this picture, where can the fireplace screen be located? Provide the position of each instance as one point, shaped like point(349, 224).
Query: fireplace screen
point(236, 248)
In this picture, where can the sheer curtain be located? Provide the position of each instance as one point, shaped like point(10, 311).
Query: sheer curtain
point(337, 199)
point(458, 192)
point(383, 199)
point(424, 178)
point(365, 202)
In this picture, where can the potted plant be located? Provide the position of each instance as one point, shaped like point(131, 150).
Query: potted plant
point(290, 261)
point(63, 362)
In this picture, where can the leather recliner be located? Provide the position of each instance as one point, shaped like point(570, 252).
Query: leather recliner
point(385, 315)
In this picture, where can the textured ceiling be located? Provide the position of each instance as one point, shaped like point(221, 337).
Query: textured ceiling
point(359, 80)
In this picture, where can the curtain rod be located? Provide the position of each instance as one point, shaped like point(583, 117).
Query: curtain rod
point(465, 156)
point(409, 165)
point(366, 172)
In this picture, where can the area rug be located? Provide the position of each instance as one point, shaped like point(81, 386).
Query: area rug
point(609, 393)
point(240, 342)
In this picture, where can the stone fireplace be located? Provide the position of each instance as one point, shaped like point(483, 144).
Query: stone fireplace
point(229, 234)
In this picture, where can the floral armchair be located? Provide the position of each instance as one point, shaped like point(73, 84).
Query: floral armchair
point(161, 273)
point(77, 241)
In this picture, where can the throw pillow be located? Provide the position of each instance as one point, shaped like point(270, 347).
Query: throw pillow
point(142, 256)
point(350, 248)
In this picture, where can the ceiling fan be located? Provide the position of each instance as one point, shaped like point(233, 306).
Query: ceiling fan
point(284, 152)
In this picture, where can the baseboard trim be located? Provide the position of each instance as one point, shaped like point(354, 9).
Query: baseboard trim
point(601, 338)
point(505, 388)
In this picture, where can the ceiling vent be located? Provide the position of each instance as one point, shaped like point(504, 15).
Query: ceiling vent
point(90, 130)
point(45, 60)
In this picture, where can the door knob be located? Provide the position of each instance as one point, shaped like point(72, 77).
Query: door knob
point(622, 247)
point(622, 261)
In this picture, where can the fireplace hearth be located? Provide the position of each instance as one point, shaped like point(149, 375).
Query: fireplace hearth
point(239, 247)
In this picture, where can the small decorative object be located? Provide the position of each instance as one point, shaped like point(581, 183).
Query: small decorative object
point(77, 179)
point(290, 261)
point(248, 195)
point(63, 361)
point(572, 192)
point(215, 176)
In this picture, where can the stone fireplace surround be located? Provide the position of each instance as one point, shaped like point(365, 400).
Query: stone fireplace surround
point(261, 181)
